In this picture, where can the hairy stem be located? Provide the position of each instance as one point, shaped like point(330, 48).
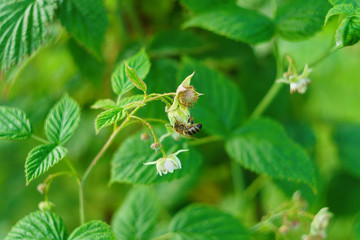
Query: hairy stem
point(274, 89)
point(40, 139)
point(151, 129)
point(205, 140)
point(81, 202)
point(106, 146)
point(238, 183)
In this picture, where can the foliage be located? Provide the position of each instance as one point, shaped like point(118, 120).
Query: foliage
point(203, 110)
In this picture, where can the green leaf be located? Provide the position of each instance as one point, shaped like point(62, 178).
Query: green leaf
point(342, 9)
point(62, 121)
point(109, 117)
point(348, 32)
point(134, 78)
point(103, 104)
point(355, 3)
point(300, 19)
point(262, 146)
point(131, 102)
point(221, 109)
point(137, 216)
point(204, 5)
point(127, 165)
point(86, 21)
point(140, 62)
point(347, 138)
point(38, 225)
point(93, 230)
point(24, 26)
point(198, 222)
point(235, 23)
point(42, 158)
point(14, 125)
point(175, 42)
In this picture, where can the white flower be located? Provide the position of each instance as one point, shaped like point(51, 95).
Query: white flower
point(168, 163)
point(319, 225)
point(298, 83)
point(300, 86)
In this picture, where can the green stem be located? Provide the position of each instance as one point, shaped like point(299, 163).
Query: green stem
point(329, 51)
point(151, 129)
point(72, 169)
point(206, 140)
point(40, 139)
point(255, 187)
point(81, 191)
point(268, 98)
point(81, 202)
point(238, 183)
point(274, 89)
point(106, 146)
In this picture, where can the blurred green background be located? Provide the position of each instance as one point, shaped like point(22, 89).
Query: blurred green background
point(325, 120)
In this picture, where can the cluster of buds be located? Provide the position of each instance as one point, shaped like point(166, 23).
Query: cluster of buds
point(185, 97)
point(319, 225)
point(298, 83)
point(167, 164)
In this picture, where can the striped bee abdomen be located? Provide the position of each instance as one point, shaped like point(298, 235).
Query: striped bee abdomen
point(193, 129)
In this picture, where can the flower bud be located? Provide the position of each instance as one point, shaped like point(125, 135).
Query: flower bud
point(155, 146)
point(348, 32)
point(41, 187)
point(179, 114)
point(145, 136)
point(319, 225)
point(188, 97)
point(46, 205)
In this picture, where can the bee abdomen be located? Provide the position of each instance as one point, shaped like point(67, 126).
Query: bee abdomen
point(193, 129)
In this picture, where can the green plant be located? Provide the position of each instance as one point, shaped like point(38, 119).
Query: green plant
point(258, 148)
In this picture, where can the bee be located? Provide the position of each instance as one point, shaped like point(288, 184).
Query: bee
point(189, 129)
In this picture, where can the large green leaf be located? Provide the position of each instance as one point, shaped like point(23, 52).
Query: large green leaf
point(221, 109)
point(127, 165)
point(355, 3)
point(41, 158)
point(262, 146)
point(14, 125)
point(347, 138)
point(205, 5)
point(300, 19)
point(62, 120)
point(96, 230)
point(86, 21)
point(24, 25)
point(139, 62)
point(137, 216)
point(38, 225)
point(199, 222)
point(235, 23)
point(341, 9)
point(176, 42)
point(109, 117)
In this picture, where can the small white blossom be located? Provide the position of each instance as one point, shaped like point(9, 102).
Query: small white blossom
point(300, 86)
point(319, 225)
point(167, 164)
point(298, 83)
